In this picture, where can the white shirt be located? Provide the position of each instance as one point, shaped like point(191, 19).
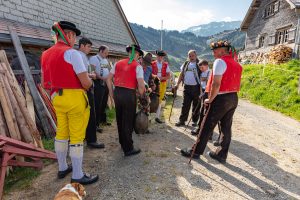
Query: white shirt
point(205, 75)
point(219, 67)
point(139, 71)
point(101, 65)
point(85, 60)
point(159, 67)
point(189, 76)
point(74, 58)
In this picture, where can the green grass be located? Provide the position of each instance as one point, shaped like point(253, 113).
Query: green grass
point(111, 115)
point(276, 88)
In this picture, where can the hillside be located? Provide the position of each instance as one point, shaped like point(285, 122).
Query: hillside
point(213, 28)
point(275, 89)
point(177, 44)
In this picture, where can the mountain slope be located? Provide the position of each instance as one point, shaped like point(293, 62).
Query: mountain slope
point(213, 28)
point(177, 44)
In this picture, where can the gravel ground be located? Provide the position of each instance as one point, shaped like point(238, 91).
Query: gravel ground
point(263, 163)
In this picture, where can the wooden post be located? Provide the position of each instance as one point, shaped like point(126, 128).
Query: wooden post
point(41, 110)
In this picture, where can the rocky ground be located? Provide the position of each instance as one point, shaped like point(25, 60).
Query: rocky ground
point(264, 163)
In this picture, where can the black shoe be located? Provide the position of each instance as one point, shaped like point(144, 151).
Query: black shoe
point(63, 174)
point(195, 131)
point(194, 124)
point(86, 179)
point(96, 145)
point(132, 152)
point(216, 157)
point(188, 153)
point(178, 124)
point(217, 143)
point(100, 130)
point(158, 121)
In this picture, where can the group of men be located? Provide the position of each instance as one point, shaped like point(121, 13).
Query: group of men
point(79, 89)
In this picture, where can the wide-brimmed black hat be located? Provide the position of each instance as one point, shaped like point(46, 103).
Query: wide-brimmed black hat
point(220, 44)
point(160, 53)
point(136, 47)
point(147, 58)
point(69, 26)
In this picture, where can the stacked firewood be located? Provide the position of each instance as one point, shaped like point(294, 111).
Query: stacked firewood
point(15, 121)
point(280, 54)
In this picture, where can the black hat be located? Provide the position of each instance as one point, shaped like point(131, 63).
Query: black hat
point(136, 47)
point(147, 58)
point(160, 53)
point(69, 26)
point(220, 44)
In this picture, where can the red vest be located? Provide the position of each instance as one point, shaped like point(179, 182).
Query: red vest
point(125, 74)
point(231, 79)
point(163, 69)
point(56, 72)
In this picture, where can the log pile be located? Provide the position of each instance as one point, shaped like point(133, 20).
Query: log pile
point(15, 121)
point(280, 54)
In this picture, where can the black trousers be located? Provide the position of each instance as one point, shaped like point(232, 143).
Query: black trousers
point(125, 103)
point(202, 108)
point(103, 105)
point(222, 109)
point(91, 128)
point(190, 96)
point(99, 91)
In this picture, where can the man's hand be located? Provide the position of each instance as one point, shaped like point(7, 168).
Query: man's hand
point(92, 75)
point(207, 102)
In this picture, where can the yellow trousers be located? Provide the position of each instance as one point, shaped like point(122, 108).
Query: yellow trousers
point(162, 90)
point(72, 112)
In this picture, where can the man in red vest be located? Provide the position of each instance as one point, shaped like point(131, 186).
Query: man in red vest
point(222, 86)
point(65, 75)
point(128, 76)
point(161, 70)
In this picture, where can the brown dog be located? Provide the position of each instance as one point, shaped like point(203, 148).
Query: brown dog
point(71, 191)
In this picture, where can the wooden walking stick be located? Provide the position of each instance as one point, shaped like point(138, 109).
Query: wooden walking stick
point(174, 97)
point(200, 132)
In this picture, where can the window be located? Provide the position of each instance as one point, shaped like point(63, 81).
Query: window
point(261, 41)
point(282, 36)
point(271, 9)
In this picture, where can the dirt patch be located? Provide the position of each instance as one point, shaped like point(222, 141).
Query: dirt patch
point(264, 163)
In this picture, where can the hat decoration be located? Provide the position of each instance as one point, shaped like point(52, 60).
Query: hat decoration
point(60, 32)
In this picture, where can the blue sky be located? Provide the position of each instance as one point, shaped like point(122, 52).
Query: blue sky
point(181, 14)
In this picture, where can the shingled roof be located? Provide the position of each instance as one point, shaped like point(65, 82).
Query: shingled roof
point(255, 6)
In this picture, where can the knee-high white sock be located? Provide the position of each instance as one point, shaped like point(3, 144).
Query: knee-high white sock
point(76, 154)
point(61, 150)
point(158, 111)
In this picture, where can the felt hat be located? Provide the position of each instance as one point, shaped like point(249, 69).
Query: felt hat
point(136, 48)
point(160, 53)
point(69, 26)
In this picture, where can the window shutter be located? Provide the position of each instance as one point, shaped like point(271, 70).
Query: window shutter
point(272, 39)
point(292, 35)
point(277, 4)
point(257, 42)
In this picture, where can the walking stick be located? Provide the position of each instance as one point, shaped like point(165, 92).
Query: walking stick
point(200, 132)
point(220, 131)
point(174, 97)
point(194, 113)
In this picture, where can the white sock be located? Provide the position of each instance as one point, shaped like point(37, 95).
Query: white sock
point(76, 154)
point(61, 150)
point(158, 111)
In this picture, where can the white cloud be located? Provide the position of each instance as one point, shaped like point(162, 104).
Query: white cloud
point(178, 15)
point(227, 19)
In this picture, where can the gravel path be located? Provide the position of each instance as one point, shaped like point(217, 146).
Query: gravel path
point(264, 163)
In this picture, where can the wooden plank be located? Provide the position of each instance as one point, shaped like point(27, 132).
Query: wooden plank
point(28, 153)
point(29, 102)
point(41, 110)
